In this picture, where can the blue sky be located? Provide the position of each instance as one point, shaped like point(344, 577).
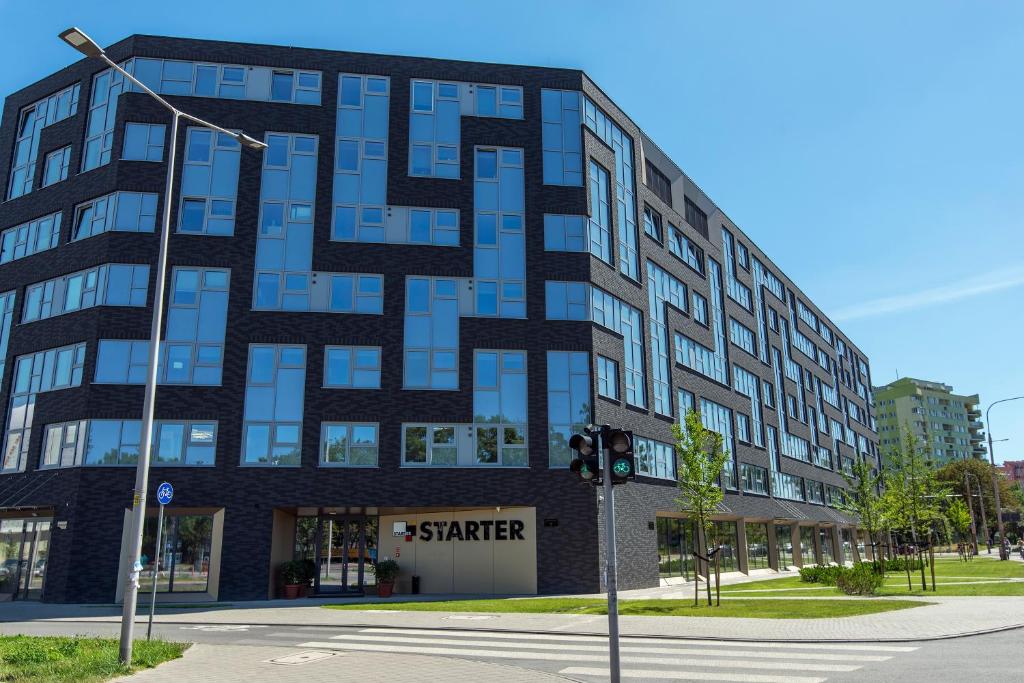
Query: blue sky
point(874, 150)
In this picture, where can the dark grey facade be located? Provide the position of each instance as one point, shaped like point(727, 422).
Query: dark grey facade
point(247, 501)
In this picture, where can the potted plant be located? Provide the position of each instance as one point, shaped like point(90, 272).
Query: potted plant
point(309, 575)
point(386, 571)
point(293, 574)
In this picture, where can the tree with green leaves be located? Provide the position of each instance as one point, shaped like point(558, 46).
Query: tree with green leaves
point(960, 519)
point(865, 502)
point(913, 494)
point(700, 458)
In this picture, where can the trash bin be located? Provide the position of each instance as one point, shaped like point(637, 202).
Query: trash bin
point(415, 585)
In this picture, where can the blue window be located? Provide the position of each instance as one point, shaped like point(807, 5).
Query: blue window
point(566, 300)
point(654, 458)
point(35, 373)
point(741, 336)
point(431, 346)
point(209, 183)
point(31, 121)
point(662, 289)
point(6, 317)
point(561, 139)
point(360, 163)
point(607, 377)
point(499, 255)
point(274, 393)
point(564, 233)
point(56, 168)
point(144, 142)
point(652, 224)
point(681, 246)
point(718, 418)
point(569, 406)
point(352, 367)
point(600, 213)
point(700, 308)
point(119, 211)
point(114, 284)
point(30, 238)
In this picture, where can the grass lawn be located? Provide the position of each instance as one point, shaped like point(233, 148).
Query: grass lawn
point(760, 609)
point(979, 577)
point(29, 658)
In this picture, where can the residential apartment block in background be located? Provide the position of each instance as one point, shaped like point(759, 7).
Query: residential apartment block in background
point(947, 424)
point(382, 331)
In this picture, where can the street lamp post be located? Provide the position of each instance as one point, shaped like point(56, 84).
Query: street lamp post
point(85, 45)
point(995, 478)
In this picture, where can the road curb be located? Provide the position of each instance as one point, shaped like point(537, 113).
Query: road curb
point(738, 639)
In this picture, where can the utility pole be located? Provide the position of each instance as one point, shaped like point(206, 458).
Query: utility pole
point(610, 566)
point(995, 477)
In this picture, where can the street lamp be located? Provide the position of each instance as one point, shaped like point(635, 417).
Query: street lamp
point(995, 479)
point(85, 45)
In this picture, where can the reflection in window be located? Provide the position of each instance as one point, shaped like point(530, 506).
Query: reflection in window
point(346, 444)
point(607, 377)
point(561, 138)
point(118, 211)
point(113, 284)
point(499, 407)
point(274, 393)
point(499, 254)
point(209, 183)
point(30, 238)
point(144, 142)
point(56, 167)
point(569, 405)
point(352, 367)
point(31, 121)
point(431, 335)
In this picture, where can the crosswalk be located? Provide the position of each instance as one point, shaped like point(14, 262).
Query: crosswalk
point(654, 659)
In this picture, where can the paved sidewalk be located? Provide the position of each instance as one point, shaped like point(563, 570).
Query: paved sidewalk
point(243, 664)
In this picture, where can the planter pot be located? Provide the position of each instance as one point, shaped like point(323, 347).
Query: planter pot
point(291, 591)
point(385, 588)
point(303, 590)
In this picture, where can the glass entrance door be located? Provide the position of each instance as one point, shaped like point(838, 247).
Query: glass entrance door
point(343, 547)
point(24, 548)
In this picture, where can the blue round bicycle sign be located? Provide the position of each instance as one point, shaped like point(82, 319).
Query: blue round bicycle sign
point(164, 493)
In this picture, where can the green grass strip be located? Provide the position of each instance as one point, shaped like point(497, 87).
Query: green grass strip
point(32, 659)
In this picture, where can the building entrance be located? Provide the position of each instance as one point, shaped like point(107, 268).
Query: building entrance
point(24, 548)
point(343, 548)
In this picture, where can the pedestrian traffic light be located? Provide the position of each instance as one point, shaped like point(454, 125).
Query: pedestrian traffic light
point(619, 444)
point(586, 463)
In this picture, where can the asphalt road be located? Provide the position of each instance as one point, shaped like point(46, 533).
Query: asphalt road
point(991, 658)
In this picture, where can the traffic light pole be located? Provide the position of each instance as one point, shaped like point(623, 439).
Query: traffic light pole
point(610, 567)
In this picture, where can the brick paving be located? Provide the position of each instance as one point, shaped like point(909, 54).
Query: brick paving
point(245, 663)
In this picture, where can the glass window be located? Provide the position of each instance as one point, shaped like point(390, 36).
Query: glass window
point(757, 546)
point(499, 399)
point(607, 377)
point(723, 535)
point(143, 142)
point(273, 405)
point(344, 444)
point(569, 404)
point(352, 367)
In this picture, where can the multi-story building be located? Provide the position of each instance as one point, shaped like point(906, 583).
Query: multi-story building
point(382, 330)
point(1013, 470)
point(948, 425)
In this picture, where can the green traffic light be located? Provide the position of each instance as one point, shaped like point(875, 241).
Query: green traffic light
point(621, 467)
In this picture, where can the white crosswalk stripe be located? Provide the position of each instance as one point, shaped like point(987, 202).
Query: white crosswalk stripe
point(642, 658)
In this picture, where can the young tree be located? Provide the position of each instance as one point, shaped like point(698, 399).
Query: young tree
point(700, 459)
point(960, 519)
point(865, 502)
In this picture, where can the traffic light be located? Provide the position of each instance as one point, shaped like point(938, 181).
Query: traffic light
point(619, 444)
point(586, 464)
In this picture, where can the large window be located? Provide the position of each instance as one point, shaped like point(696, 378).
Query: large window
point(654, 458)
point(808, 556)
point(56, 167)
point(116, 442)
point(437, 445)
point(600, 226)
point(723, 536)
point(352, 367)
point(144, 142)
point(564, 233)
point(607, 378)
point(34, 373)
point(569, 407)
point(757, 546)
point(561, 139)
point(718, 418)
point(784, 546)
point(499, 253)
point(347, 444)
point(185, 557)
point(652, 224)
point(209, 183)
point(675, 547)
point(114, 284)
point(31, 121)
point(499, 407)
point(662, 290)
point(119, 211)
point(30, 238)
point(361, 159)
point(826, 538)
point(431, 333)
point(274, 393)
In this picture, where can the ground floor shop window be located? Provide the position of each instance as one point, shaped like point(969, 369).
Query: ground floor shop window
point(342, 548)
point(807, 555)
point(184, 555)
point(675, 547)
point(847, 544)
point(784, 545)
point(827, 553)
point(757, 546)
point(723, 534)
point(24, 548)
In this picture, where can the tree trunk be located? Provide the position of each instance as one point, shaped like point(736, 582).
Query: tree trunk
point(906, 562)
point(924, 581)
point(931, 559)
point(718, 582)
point(696, 568)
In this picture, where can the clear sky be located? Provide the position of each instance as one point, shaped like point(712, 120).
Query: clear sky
point(874, 150)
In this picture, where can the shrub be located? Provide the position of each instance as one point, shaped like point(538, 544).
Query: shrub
point(899, 564)
point(862, 579)
point(822, 573)
point(386, 570)
point(293, 572)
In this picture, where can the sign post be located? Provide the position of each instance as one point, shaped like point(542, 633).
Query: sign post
point(610, 566)
point(164, 494)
